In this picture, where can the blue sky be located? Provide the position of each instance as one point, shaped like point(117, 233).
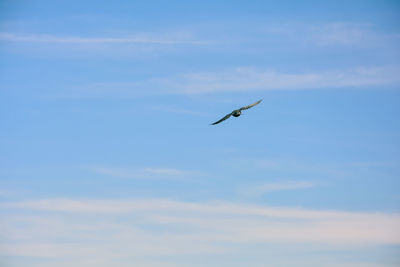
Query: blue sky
point(107, 156)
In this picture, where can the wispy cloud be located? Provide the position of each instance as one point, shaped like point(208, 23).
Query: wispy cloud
point(163, 108)
point(252, 79)
point(171, 39)
point(339, 34)
point(243, 79)
point(164, 211)
point(111, 229)
point(144, 173)
point(351, 34)
point(245, 35)
point(278, 186)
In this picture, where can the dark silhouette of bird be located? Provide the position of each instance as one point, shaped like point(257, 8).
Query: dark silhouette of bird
point(237, 112)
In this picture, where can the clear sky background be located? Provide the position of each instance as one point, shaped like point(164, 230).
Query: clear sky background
point(107, 157)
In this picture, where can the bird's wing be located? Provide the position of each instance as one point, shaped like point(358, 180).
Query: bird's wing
point(224, 118)
point(250, 106)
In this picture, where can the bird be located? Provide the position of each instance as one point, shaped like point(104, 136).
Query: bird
point(237, 112)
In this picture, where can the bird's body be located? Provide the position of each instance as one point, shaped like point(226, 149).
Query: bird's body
point(237, 112)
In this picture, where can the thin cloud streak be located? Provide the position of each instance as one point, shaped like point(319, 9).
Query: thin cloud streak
point(333, 34)
point(233, 222)
point(338, 33)
point(351, 34)
point(278, 186)
point(83, 231)
point(243, 80)
point(178, 110)
point(251, 79)
point(144, 173)
point(44, 38)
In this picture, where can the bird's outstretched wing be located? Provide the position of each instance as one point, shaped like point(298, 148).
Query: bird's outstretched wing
point(250, 106)
point(224, 118)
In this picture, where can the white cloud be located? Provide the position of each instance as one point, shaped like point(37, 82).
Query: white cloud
point(171, 39)
point(351, 34)
point(251, 79)
point(144, 173)
point(245, 80)
point(245, 35)
point(339, 34)
point(163, 108)
point(139, 230)
point(164, 211)
point(278, 186)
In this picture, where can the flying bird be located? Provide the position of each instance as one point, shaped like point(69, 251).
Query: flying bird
point(237, 112)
